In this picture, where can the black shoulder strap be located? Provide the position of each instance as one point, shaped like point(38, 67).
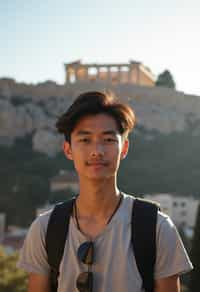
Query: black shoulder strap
point(143, 237)
point(56, 235)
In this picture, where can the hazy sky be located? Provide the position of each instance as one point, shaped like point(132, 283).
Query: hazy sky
point(38, 37)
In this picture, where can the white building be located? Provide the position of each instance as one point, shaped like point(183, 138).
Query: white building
point(181, 209)
point(64, 180)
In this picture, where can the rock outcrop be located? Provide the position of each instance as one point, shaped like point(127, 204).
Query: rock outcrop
point(33, 109)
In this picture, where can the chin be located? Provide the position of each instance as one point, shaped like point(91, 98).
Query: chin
point(102, 176)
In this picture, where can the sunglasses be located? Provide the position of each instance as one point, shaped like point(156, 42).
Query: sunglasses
point(84, 282)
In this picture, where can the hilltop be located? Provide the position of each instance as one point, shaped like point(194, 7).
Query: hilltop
point(27, 109)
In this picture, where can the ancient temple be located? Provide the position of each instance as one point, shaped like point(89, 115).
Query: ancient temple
point(132, 72)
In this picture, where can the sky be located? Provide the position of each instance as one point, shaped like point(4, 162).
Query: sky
point(38, 37)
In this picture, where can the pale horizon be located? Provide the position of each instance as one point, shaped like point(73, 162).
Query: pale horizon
point(37, 38)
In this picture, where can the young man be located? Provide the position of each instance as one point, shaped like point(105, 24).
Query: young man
point(96, 129)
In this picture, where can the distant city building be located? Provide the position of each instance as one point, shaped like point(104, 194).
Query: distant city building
point(13, 239)
point(132, 72)
point(182, 209)
point(64, 180)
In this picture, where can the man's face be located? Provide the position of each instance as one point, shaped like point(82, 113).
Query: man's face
point(96, 147)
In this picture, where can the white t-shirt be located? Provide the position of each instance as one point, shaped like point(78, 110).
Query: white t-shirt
point(114, 267)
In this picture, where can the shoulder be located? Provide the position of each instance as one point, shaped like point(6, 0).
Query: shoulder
point(38, 228)
point(56, 214)
point(33, 257)
point(127, 202)
point(143, 203)
point(165, 224)
point(128, 198)
point(163, 220)
point(172, 257)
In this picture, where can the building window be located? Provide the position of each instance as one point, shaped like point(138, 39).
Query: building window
point(183, 204)
point(183, 213)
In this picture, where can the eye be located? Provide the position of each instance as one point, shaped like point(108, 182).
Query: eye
point(84, 140)
point(110, 140)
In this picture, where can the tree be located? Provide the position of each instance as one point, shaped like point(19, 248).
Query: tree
point(195, 256)
point(12, 279)
point(166, 79)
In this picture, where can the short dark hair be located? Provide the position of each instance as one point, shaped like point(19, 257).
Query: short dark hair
point(93, 103)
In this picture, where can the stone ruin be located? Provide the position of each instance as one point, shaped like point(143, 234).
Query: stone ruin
point(132, 73)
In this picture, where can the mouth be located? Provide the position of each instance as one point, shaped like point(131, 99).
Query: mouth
point(97, 163)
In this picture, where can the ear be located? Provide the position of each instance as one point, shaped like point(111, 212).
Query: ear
point(67, 150)
point(125, 148)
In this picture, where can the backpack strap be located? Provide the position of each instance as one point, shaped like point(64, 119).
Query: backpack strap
point(143, 238)
point(56, 235)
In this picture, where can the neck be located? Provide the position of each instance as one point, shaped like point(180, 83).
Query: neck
point(97, 201)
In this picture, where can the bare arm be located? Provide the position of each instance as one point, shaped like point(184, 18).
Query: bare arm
point(171, 284)
point(38, 283)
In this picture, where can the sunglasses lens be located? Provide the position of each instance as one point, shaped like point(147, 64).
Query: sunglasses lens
point(84, 282)
point(86, 253)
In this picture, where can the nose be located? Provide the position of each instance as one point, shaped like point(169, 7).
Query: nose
point(97, 150)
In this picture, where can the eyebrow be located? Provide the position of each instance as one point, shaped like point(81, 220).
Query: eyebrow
point(108, 132)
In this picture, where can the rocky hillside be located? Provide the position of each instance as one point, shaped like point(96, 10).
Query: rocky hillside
point(163, 154)
point(27, 109)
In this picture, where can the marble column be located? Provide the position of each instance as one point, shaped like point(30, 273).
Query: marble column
point(75, 75)
point(98, 68)
point(138, 75)
point(67, 78)
point(130, 73)
point(119, 74)
point(108, 74)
